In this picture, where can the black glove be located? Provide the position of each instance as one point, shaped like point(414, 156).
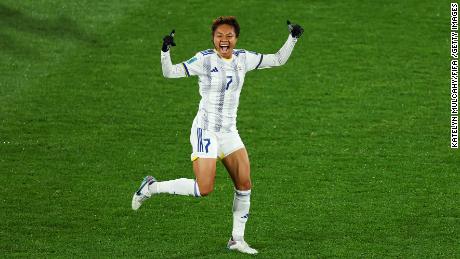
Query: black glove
point(168, 41)
point(295, 29)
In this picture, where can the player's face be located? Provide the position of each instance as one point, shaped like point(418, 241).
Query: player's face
point(225, 40)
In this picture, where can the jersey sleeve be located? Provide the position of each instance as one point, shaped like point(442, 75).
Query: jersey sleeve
point(253, 60)
point(187, 68)
point(194, 66)
point(261, 61)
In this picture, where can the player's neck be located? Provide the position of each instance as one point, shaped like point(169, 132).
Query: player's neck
point(226, 59)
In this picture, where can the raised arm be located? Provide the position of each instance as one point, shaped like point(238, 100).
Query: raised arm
point(281, 57)
point(170, 70)
point(191, 67)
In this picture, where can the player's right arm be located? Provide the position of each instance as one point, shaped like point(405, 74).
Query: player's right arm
point(184, 69)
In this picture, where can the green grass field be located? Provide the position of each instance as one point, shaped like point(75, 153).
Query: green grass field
point(349, 142)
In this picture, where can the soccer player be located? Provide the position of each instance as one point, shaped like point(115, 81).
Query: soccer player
point(214, 135)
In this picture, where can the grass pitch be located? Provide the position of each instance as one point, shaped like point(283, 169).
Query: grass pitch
point(348, 142)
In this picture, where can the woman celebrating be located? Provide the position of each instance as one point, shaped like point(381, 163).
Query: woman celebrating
point(221, 73)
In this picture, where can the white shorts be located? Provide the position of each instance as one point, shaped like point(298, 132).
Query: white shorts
point(208, 144)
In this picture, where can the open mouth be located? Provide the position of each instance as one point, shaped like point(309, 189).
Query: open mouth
point(224, 47)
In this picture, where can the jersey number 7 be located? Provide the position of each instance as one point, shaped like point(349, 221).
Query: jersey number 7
point(229, 81)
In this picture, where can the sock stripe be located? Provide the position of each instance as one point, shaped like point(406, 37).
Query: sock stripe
point(242, 193)
point(195, 189)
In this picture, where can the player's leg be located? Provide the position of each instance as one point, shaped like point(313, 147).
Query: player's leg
point(237, 165)
point(204, 153)
point(150, 186)
point(236, 161)
point(205, 173)
point(204, 156)
point(202, 185)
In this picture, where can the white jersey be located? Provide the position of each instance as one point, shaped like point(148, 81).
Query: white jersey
point(221, 81)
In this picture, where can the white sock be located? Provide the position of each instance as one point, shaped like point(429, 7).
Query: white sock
point(241, 204)
point(180, 186)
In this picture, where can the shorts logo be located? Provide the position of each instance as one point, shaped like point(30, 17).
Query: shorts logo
point(190, 61)
point(214, 69)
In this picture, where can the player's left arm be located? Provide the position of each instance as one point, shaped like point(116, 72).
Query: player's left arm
point(281, 57)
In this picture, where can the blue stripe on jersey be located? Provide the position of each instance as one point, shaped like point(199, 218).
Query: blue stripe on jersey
point(186, 69)
point(238, 52)
point(221, 98)
point(261, 58)
point(207, 52)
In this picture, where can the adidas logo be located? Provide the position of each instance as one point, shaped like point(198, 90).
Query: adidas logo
point(214, 69)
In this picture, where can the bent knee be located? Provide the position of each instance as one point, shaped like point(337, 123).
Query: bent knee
point(205, 189)
point(244, 186)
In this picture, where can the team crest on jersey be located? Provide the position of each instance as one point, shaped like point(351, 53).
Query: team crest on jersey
point(190, 61)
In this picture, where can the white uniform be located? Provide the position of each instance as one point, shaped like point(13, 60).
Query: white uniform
point(214, 133)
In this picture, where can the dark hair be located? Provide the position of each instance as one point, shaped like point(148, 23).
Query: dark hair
point(230, 20)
